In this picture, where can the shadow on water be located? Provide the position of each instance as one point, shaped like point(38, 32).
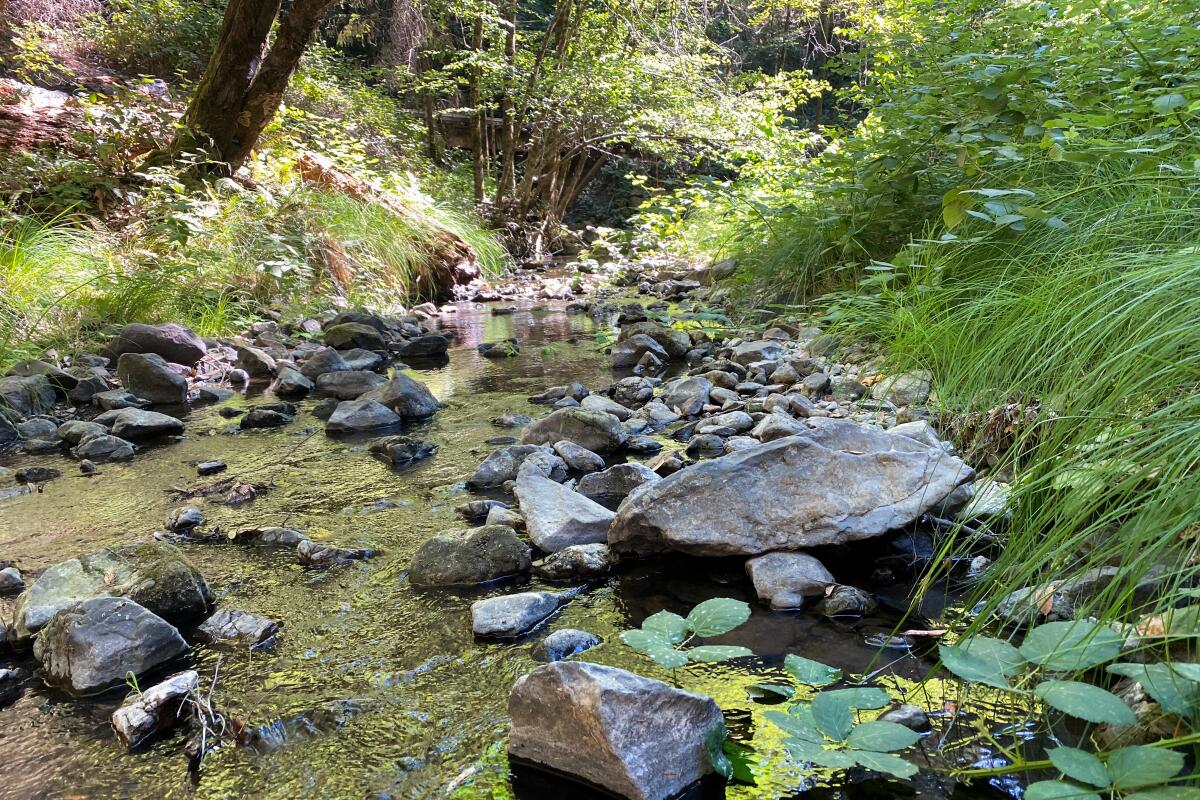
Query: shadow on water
point(375, 689)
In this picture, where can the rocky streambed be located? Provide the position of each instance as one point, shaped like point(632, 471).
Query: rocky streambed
point(365, 661)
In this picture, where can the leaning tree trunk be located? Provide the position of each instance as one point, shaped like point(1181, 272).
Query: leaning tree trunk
point(243, 85)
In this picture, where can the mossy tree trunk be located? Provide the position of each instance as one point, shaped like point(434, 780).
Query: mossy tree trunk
point(243, 85)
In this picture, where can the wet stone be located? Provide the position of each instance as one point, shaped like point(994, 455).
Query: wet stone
point(210, 467)
point(314, 554)
point(231, 625)
point(184, 519)
point(158, 709)
point(563, 644)
point(515, 614)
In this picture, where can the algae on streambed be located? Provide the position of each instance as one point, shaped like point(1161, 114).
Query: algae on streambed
point(375, 688)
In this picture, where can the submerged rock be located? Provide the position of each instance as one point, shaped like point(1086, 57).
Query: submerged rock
point(645, 740)
point(556, 517)
point(512, 615)
point(160, 708)
point(354, 416)
point(574, 562)
point(400, 451)
point(469, 556)
point(847, 601)
point(314, 554)
point(836, 483)
point(94, 645)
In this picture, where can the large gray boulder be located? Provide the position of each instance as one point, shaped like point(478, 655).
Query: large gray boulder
point(354, 416)
point(557, 517)
point(598, 431)
point(104, 448)
point(149, 377)
point(616, 483)
point(27, 395)
point(636, 737)
point(94, 645)
point(676, 343)
point(836, 483)
point(469, 556)
point(785, 579)
point(512, 615)
point(153, 574)
point(406, 396)
point(502, 465)
point(173, 342)
point(628, 352)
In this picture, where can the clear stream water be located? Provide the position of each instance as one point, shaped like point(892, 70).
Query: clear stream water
point(376, 689)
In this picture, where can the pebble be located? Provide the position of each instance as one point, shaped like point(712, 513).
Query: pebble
point(210, 467)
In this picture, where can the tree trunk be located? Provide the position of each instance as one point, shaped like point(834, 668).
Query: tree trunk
point(508, 133)
point(241, 88)
point(476, 102)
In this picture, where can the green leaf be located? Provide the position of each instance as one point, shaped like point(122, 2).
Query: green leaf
point(1058, 790)
point(860, 696)
point(667, 657)
point(1085, 701)
point(757, 690)
point(885, 762)
point(1166, 103)
point(798, 723)
point(645, 641)
point(806, 751)
point(1071, 646)
point(1167, 793)
point(883, 737)
point(1008, 658)
point(672, 626)
point(1173, 692)
point(717, 616)
point(714, 741)
point(972, 668)
point(1135, 767)
point(717, 652)
point(741, 758)
point(1080, 765)
point(809, 672)
point(832, 715)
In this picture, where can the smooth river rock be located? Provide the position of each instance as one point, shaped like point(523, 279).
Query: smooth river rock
point(598, 431)
point(786, 579)
point(171, 341)
point(636, 737)
point(512, 615)
point(836, 483)
point(148, 376)
point(557, 517)
point(469, 556)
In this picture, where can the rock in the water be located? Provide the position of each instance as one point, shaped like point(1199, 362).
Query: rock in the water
point(231, 625)
point(117, 399)
point(160, 708)
point(256, 362)
point(400, 451)
point(11, 581)
point(469, 556)
point(578, 458)
point(173, 342)
point(564, 643)
point(353, 416)
point(136, 424)
point(616, 483)
point(912, 717)
point(502, 466)
point(645, 739)
point(153, 574)
point(293, 383)
point(348, 384)
point(576, 561)
point(674, 342)
point(350, 335)
point(628, 352)
point(104, 448)
point(270, 537)
point(265, 418)
point(94, 645)
point(508, 420)
point(406, 396)
point(556, 517)
point(596, 430)
point(315, 554)
point(428, 346)
point(687, 396)
point(75, 431)
point(183, 519)
point(149, 377)
point(512, 615)
point(211, 467)
point(786, 579)
point(598, 402)
point(836, 483)
point(321, 362)
point(847, 601)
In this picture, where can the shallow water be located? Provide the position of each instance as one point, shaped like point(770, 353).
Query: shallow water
point(375, 688)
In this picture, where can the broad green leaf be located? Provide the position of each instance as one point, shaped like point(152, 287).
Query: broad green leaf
point(672, 626)
point(1173, 692)
point(832, 715)
point(1190, 672)
point(757, 690)
point(1167, 793)
point(1071, 646)
point(1085, 701)
point(741, 759)
point(1166, 103)
point(717, 652)
point(644, 640)
point(717, 616)
point(806, 751)
point(667, 657)
point(809, 672)
point(798, 723)
point(885, 762)
point(1135, 767)
point(973, 668)
point(1007, 658)
point(883, 737)
point(860, 696)
point(714, 741)
point(1058, 790)
point(1079, 765)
